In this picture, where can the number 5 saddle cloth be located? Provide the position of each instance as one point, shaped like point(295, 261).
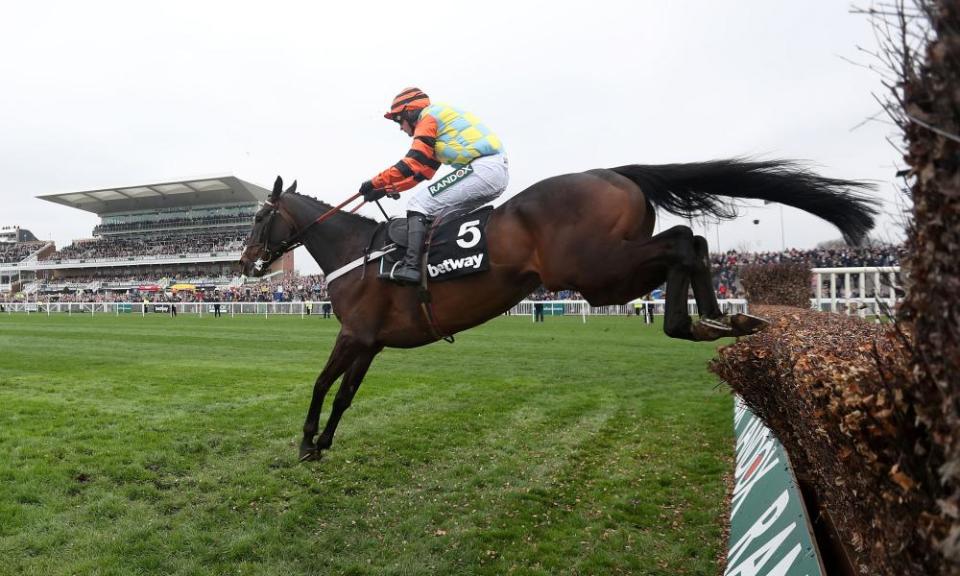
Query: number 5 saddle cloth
point(456, 245)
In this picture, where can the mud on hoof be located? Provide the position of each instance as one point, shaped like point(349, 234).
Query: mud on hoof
point(707, 329)
point(746, 324)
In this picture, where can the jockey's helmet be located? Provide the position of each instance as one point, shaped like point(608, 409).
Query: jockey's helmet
point(409, 99)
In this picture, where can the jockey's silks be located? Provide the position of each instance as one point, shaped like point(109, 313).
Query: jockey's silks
point(446, 135)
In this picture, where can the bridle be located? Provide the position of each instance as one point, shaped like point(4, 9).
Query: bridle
point(263, 237)
point(277, 209)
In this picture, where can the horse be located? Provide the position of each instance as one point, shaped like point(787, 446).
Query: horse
point(590, 231)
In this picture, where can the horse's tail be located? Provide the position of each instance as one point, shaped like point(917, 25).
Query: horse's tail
point(690, 190)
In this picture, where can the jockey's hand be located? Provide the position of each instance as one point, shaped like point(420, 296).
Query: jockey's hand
point(371, 194)
point(393, 195)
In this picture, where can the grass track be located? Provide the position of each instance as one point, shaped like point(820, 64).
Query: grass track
point(168, 446)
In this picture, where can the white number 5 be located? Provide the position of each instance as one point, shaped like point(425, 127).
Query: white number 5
point(471, 229)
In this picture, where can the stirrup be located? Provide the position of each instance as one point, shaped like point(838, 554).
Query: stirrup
point(403, 275)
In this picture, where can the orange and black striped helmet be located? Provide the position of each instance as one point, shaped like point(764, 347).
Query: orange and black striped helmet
point(407, 99)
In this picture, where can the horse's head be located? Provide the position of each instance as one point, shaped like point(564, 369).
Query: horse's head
point(274, 232)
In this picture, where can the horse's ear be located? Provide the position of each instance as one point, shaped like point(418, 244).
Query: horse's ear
point(277, 189)
point(293, 187)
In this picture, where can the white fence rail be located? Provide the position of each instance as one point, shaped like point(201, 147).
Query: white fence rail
point(139, 308)
point(860, 291)
point(525, 308)
point(583, 309)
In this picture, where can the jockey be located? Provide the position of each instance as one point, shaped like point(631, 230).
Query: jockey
point(441, 134)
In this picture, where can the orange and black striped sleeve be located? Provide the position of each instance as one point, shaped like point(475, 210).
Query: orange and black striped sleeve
point(418, 165)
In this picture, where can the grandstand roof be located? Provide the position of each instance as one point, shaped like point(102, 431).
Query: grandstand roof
point(178, 194)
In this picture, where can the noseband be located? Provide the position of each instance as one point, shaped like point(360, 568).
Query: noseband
point(263, 239)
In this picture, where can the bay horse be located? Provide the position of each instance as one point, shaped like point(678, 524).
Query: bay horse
point(591, 232)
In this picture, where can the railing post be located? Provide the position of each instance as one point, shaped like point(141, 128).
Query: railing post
point(819, 291)
point(847, 293)
point(833, 291)
point(863, 293)
point(893, 292)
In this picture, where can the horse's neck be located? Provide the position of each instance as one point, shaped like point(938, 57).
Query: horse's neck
point(333, 242)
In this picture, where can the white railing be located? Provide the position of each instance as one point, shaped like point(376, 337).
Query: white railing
point(141, 308)
point(583, 308)
point(579, 308)
point(861, 291)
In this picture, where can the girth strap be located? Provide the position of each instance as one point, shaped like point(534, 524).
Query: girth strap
point(423, 293)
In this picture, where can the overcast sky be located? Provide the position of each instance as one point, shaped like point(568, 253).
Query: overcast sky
point(99, 94)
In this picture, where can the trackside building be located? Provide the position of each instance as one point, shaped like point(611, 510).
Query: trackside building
point(149, 236)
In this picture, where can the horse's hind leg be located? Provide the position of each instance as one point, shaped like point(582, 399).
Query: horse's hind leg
point(676, 318)
point(707, 305)
point(687, 261)
point(615, 274)
point(669, 256)
point(702, 281)
point(688, 269)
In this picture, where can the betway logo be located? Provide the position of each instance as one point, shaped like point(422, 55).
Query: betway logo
point(449, 179)
point(451, 264)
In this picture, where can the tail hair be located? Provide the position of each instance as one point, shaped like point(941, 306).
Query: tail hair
point(697, 189)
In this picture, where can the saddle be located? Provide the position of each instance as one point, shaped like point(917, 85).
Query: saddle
point(456, 245)
point(397, 232)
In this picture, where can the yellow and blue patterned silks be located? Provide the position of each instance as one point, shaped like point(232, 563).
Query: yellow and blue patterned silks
point(461, 136)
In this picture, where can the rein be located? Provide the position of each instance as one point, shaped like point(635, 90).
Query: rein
point(295, 240)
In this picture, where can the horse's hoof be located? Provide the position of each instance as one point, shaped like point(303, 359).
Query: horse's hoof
point(706, 330)
point(745, 324)
point(309, 451)
point(311, 456)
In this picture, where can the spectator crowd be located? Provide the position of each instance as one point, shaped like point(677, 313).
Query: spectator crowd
point(122, 247)
point(280, 288)
point(725, 266)
point(174, 222)
point(16, 251)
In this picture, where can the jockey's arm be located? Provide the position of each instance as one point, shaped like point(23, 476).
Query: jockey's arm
point(418, 165)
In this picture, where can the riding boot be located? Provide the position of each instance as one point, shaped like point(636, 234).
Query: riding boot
point(408, 271)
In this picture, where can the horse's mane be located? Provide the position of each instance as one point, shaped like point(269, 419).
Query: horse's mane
point(358, 218)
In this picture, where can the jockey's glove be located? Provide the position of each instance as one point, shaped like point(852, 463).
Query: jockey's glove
point(371, 194)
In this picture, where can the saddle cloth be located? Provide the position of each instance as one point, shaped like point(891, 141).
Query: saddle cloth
point(456, 245)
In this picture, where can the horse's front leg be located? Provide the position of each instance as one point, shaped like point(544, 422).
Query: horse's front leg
point(341, 357)
point(346, 392)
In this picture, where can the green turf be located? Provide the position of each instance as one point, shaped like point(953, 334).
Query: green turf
point(154, 445)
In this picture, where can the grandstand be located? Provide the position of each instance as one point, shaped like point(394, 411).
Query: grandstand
point(18, 247)
point(151, 237)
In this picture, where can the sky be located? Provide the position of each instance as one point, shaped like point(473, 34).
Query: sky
point(99, 94)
